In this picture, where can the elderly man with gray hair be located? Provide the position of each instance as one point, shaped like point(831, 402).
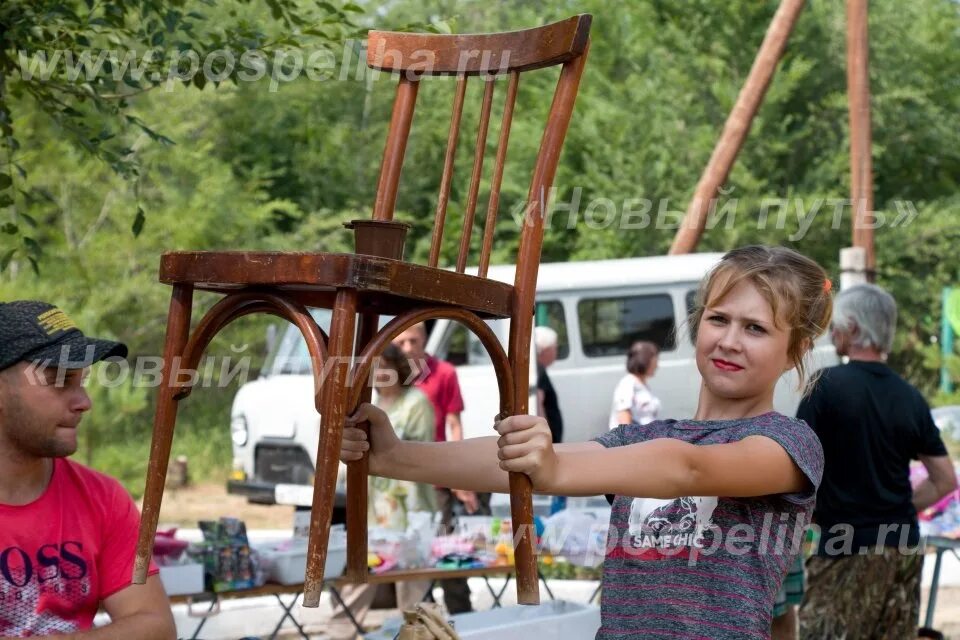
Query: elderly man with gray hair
point(547, 343)
point(864, 580)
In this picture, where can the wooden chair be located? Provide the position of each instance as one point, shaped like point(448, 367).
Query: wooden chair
point(359, 288)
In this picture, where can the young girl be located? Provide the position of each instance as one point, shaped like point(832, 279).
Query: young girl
point(633, 401)
point(706, 511)
point(389, 500)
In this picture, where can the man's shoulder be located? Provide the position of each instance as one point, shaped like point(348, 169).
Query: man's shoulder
point(542, 376)
point(871, 373)
point(440, 367)
point(90, 479)
point(830, 380)
point(836, 371)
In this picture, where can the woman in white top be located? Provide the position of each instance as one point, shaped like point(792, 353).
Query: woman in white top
point(632, 400)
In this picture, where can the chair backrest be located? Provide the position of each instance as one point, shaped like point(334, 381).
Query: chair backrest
point(486, 56)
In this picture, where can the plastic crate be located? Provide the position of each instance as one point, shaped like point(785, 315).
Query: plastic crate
point(286, 562)
point(182, 579)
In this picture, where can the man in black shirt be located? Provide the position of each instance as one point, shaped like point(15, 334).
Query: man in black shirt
point(865, 576)
point(546, 341)
point(547, 344)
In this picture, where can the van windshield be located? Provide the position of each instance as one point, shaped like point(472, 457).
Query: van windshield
point(461, 347)
point(292, 356)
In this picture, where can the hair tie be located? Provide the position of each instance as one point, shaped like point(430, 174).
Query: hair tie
point(827, 285)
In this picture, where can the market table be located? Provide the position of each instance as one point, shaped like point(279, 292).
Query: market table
point(334, 585)
point(940, 545)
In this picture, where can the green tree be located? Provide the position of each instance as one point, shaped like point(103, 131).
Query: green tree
point(82, 63)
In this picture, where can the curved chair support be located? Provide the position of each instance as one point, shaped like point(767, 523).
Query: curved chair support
point(220, 315)
point(242, 304)
point(521, 508)
point(404, 321)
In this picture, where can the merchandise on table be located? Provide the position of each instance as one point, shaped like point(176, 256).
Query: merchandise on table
point(285, 562)
point(941, 518)
point(578, 536)
point(226, 555)
point(179, 572)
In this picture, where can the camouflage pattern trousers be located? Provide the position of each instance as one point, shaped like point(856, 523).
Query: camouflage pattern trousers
point(876, 595)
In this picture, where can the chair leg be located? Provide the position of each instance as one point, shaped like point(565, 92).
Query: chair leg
point(521, 507)
point(357, 475)
point(334, 397)
point(524, 538)
point(178, 329)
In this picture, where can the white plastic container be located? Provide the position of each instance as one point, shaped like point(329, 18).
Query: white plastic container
point(286, 562)
point(182, 579)
point(554, 620)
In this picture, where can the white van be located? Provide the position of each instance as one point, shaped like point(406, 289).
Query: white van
point(598, 308)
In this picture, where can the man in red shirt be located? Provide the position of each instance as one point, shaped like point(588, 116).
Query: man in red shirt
point(67, 533)
point(439, 383)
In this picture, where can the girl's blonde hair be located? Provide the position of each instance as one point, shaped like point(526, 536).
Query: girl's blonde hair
point(796, 287)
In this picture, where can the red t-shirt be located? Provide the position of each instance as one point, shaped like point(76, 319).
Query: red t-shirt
point(440, 384)
point(65, 552)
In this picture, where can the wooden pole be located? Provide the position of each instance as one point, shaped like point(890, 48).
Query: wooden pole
point(861, 161)
point(737, 126)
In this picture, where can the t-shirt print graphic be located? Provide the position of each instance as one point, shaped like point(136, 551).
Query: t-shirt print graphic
point(29, 608)
point(661, 524)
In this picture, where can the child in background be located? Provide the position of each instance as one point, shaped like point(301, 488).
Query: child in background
point(708, 513)
point(632, 400)
point(389, 501)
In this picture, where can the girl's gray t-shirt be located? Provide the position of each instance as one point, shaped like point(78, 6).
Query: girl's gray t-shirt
point(704, 566)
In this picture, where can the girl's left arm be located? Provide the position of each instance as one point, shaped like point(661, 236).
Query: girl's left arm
point(662, 468)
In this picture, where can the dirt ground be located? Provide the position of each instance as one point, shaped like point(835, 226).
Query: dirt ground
point(184, 507)
point(947, 618)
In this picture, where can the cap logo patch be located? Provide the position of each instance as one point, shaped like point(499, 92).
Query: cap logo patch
point(55, 320)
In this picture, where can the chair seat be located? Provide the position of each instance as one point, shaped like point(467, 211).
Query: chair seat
point(385, 286)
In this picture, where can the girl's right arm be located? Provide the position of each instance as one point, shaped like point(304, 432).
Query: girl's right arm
point(472, 464)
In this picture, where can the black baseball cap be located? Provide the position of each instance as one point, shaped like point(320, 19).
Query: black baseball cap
point(39, 332)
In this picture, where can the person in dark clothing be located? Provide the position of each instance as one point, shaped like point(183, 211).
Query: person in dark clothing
point(864, 580)
point(545, 340)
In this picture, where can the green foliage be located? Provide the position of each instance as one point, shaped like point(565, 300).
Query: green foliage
point(82, 64)
point(256, 165)
point(914, 270)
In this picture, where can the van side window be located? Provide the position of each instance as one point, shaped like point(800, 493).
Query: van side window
point(549, 313)
point(608, 326)
point(461, 346)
